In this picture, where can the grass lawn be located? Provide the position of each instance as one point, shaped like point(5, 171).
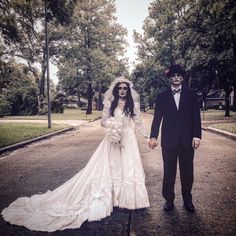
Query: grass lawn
point(11, 133)
point(230, 127)
point(211, 115)
point(69, 114)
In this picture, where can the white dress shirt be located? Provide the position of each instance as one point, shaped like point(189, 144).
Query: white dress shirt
point(177, 95)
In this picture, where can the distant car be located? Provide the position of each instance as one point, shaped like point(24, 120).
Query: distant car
point(143, 107)
point(215, 99)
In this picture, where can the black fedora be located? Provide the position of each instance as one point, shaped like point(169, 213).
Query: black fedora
point(175, 69)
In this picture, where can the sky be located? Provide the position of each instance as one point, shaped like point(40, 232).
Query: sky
point(131, 14)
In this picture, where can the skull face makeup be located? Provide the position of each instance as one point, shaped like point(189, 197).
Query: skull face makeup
point(122, 90)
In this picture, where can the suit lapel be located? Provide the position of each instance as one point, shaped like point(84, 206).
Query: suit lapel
point(181, 101)
point(182, 98)
point(171, 100)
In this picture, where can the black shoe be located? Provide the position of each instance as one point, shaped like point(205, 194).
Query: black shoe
point(189, 206)
point(169, 206)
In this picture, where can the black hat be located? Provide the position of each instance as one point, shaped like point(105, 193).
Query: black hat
point(175, 69)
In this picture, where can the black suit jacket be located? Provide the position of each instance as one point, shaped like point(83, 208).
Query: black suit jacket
point(177, 125)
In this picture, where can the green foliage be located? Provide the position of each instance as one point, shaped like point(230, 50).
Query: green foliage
point(23, 101)
point(57, 103)
point(84, 39)
point(208, 47)
point(94, 41)
point(157, 45)
point(4, 107)
point(200, 35)
point(148, 83)
point(18, 90)
point(22, 31)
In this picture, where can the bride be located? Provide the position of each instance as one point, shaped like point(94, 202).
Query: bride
point(113, 176)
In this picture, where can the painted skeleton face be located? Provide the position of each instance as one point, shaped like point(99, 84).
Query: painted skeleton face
point(123, 89)
point(176, 79)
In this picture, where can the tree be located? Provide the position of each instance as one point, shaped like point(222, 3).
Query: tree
point(95, 41)
point(207, 43)
point(19, 94)
point(199, 34)
point(21, 26)
point(157, 45)
point(71, 79)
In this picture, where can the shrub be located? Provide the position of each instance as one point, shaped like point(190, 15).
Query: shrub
point(23, 101)
point(5, 107)
point(57, 106)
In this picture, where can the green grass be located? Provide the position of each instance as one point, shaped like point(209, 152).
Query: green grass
point(69, 114)
point(211, 115)
point(11, 133)
point(230, 127)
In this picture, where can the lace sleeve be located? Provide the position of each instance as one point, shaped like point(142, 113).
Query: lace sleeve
point(138, 121)
point(105, 113)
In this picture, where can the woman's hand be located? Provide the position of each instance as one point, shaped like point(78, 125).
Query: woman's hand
point(152, 143)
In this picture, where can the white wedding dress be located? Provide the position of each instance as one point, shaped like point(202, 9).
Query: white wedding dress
point(113, 176)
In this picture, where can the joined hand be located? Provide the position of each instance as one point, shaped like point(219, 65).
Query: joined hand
point(152, 143)
point(195, 143)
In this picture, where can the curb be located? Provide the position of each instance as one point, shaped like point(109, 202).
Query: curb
point(221, 132)
point(26, 142)
point(98, 118)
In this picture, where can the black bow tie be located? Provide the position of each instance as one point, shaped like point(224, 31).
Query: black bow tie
point(176, 91)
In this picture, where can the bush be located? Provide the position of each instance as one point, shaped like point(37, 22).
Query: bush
point(5, 107)
point(23, 101)
point(57, 106)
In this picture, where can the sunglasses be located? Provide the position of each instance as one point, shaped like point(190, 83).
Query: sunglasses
point(123, 88)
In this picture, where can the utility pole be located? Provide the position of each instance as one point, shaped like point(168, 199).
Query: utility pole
point(47, 61)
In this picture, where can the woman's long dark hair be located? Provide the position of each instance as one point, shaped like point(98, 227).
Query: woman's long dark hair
point(129, 103)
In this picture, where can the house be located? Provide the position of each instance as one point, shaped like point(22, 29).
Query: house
point(216, 99)
point(72, 102)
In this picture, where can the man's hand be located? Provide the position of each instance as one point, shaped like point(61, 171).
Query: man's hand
point(195, 143)
point(152, 143)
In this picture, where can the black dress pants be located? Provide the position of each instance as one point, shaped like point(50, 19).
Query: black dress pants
point(185, 156)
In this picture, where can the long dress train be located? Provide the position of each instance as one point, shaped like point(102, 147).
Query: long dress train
point(113, 176)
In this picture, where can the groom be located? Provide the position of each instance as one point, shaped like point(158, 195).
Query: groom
point(179, 112)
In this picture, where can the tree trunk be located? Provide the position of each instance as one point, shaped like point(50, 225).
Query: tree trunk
point(234, 98)
point(227, 103)
point(90, 98)
point(42, 80)
point(78, 95)
point(41, 96)
point(89, 78)
point(100, 96)
point(234, 59)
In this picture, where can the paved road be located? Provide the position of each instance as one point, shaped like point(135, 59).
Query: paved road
point(49, 163)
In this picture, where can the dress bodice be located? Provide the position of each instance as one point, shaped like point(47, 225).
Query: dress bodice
point(126, 120)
